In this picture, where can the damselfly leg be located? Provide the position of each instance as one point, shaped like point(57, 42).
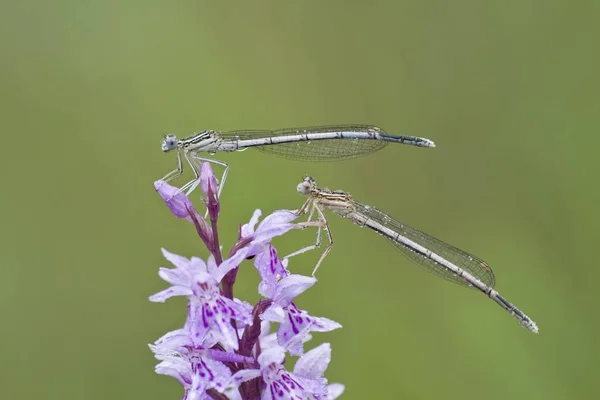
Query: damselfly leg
point(321, 225)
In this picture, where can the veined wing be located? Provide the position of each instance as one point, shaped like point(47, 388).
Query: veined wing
point(316, 150)
point(468, 262)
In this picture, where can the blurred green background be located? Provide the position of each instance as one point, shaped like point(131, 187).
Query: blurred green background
point(509, 91)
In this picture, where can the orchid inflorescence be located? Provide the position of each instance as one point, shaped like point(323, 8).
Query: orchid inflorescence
point(226, 349)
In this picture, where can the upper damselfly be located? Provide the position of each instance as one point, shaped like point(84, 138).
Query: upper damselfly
point(321, 143)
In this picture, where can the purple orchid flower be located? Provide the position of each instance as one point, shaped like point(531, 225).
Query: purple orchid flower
point(305, 382)
point(281, 288)
point(191, 366)
point(207, 308)
point(276, 224)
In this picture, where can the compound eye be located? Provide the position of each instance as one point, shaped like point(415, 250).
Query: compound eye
point(303, 187)
point(170, 142)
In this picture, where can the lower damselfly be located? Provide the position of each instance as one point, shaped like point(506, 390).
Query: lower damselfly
point(321, 143)
point(440, 258)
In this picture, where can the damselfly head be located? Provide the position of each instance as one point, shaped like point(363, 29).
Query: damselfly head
point(306, 185)
point(169, 142)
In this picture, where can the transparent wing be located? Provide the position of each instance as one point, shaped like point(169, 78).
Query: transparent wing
point(316, 150)
point(468, 262)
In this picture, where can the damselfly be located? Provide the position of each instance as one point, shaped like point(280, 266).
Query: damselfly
point(323, 143)
point(434, 255)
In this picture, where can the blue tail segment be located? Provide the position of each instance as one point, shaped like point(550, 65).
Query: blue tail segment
point(414, 140)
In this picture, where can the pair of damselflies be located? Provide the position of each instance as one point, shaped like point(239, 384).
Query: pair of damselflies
point(333, 143)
